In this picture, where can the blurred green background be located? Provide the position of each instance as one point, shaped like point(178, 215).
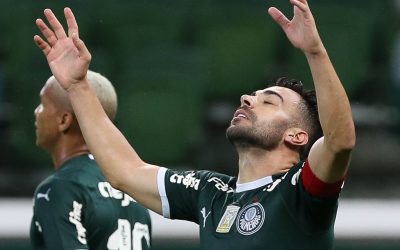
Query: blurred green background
point(180, 67)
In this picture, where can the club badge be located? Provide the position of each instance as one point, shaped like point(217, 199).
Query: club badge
point(227, 219)
point(250, 219)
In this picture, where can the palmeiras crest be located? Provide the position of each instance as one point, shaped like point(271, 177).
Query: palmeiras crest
point(250, 219)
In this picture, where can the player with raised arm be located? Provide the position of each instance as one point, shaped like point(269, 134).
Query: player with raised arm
point(286, 193)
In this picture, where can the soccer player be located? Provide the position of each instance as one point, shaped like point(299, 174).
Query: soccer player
point(285, 195)
point(75, 207)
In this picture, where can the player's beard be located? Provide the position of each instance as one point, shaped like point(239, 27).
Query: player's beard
point(264, 135)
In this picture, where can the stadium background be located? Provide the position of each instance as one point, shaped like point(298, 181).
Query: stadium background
point(179, 68)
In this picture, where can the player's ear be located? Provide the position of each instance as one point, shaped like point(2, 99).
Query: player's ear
point(66, 120)
point(296, 137)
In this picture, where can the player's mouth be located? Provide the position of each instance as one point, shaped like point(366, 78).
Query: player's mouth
point(241, 114)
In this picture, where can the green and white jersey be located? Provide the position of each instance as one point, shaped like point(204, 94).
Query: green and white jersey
point(76, 208)
point(270, 213)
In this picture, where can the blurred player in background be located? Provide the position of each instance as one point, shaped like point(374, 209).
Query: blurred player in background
point(75, 207)
point(285, 195)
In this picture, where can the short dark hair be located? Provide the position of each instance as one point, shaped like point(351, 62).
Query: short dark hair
point(308, 111)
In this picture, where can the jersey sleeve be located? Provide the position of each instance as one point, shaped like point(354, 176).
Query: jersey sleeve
point(312, 212)
point(180, 192)
point(58, 218)
point(317, 187)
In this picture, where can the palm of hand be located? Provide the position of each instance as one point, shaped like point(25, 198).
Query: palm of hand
point(65, 62)
point(66, 54)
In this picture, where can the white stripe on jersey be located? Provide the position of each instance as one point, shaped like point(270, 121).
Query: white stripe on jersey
point(162, 192)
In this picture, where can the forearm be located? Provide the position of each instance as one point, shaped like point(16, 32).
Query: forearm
point(333, 104)
point(69, 60)
point(119, 162)
point(110, 148)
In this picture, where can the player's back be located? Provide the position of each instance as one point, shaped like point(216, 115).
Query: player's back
point(77, 208)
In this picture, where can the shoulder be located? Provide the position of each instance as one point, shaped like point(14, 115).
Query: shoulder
point(57, 190)
point(81, 170)
point(289, 179)
point(62, 187)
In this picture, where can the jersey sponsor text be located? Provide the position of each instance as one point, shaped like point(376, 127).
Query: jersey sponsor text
point(220, 185)
point(188, 180)
point(75, 218)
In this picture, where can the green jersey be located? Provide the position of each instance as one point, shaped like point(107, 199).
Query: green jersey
point(76, 208)
point(275, 212)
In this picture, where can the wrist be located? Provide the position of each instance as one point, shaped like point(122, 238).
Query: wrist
point(317, 53)
point(78, 87)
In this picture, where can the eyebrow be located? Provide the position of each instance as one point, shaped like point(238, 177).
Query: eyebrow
point(270, 92)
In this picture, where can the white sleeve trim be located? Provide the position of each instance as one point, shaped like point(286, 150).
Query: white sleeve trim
point(162, 192)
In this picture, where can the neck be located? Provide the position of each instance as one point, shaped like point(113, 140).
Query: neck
point(256, 163)
point(64, 152)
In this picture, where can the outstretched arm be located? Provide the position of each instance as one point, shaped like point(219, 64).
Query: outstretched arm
point(329, 157)
point(69, 61)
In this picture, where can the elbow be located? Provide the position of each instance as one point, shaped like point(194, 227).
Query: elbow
point(350, 138)
point(124, 177)
point(348, 145)
point(344, 142)
point(117, 177)
point(114, 181)
point(343, 146)
point(352, 142)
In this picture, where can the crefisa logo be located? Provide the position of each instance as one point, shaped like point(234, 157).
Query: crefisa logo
point(250, 219)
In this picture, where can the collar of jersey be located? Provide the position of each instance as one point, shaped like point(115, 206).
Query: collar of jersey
point(241, 187)
point(90, 156)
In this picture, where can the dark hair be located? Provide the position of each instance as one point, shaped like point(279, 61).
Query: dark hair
point(308, 111)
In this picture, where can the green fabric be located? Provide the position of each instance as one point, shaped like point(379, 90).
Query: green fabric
point(278, 215)
point(75, 208)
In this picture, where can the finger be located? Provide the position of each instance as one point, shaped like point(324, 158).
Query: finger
point(84, 53)
point(42, 44)
point(303, 1)
point(55, 24)
point(278, 16)
point(47, 32)
point(71, 22)
point(302, 6)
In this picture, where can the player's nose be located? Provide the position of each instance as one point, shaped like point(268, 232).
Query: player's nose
point(247, 100)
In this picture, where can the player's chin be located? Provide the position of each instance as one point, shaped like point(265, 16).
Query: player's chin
point(237, 128)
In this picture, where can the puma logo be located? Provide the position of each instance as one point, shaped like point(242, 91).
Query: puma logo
point(45, 195)
point(203, 212)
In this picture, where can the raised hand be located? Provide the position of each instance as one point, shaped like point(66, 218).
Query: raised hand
point(301, 30)
point(66, 54)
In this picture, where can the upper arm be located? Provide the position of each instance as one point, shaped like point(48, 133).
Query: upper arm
point(328, 165)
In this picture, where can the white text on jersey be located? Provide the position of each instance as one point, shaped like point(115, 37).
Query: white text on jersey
point(189, 180)
point(107, 191)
